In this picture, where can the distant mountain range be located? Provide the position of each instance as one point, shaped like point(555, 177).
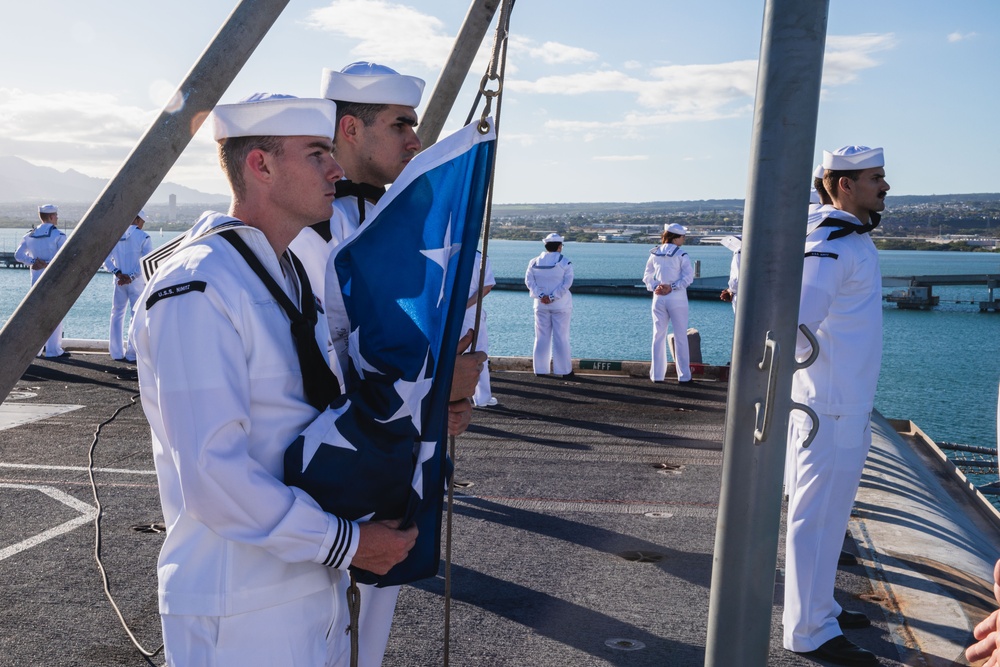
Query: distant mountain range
point(22, 181)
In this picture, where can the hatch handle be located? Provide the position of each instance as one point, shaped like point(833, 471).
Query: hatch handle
point(769, 362)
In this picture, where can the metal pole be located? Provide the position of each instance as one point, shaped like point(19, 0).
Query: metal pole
point(49, 299)
point(784, 134)
point(470, 37)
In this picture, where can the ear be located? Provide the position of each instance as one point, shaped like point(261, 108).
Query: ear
point(258, 166)
point(348, 128)
point(845, 185)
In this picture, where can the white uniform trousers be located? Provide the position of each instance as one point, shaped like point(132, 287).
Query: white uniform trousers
point(375, 621)
point(308, 632)
point(669, 308)
point(824, 483)
point(552, 342)
point(53, 346)
point(122, 297)
point(483, 392)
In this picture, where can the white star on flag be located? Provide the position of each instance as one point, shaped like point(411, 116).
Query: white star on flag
point(441, 256)
point(354, 351)
point(322, 430)
point(425, 454)
point(413, 394)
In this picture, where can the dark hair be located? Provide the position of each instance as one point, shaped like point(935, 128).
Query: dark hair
point(366, 113)
point(667, 237)
point(233, 153)
point(831, 179)
point(47, 217)
point(553, 246)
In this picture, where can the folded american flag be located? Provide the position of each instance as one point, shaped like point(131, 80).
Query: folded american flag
point(379, 451)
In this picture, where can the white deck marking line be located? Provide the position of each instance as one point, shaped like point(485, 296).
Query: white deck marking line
point(87, 514)
point(19, 414)
point(34, 466)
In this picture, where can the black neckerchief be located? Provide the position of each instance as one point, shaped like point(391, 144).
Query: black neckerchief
point(320, 384)
point(846, 228)
point(362, 191)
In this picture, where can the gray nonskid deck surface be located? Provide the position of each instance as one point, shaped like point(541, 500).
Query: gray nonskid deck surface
point(562, 483)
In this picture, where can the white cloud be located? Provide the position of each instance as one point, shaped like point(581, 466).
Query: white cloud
point(386, 32)
point(960, 37)
point(692, 93)
point(86, 131)
point(551, 53)
point(847, 55)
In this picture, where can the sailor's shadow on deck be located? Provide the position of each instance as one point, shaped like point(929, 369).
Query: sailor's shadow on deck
point(693, 567)
point(658, 437)
point(568, 623)
point(591, 389)
point(67, 370)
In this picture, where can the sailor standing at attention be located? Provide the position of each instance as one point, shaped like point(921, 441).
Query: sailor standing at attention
point(841, 303)
point(483, 398)
point(548, 278)
point(668, 274)
point(37, 249)
point(375, 140)
point(250, 567)
point(123, 262)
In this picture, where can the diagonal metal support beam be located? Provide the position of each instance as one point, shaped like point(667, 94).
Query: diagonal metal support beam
point(467, 44)
point(49, 299)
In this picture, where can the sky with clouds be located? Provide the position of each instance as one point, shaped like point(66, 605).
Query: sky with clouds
point(604, 101)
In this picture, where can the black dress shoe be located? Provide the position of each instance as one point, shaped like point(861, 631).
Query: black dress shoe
point(841, 651)
point(853, 620)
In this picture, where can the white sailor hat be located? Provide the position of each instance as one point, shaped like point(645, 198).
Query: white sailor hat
point(819, 171)
point(48, 208)
point(273, 115)
point(142, 214)
point(370, 83)
point(849, 158)
point(553, 238)
point(674, 228)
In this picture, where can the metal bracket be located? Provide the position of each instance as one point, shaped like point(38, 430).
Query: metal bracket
point(770, 363)
point(799, 365)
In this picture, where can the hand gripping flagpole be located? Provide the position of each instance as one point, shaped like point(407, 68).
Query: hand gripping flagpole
point(495, 72)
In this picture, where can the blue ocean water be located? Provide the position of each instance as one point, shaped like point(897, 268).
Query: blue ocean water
point(940, 368)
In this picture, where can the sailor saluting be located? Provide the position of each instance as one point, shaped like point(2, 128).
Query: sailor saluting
point(36, 250)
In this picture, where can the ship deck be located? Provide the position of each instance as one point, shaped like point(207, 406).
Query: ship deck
point(583, 530)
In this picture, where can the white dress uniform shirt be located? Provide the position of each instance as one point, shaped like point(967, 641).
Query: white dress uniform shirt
point(668, 264)
point(124, 260)
point(550, 274)
point(841, 303)
point(43, 243)
point(222, 390)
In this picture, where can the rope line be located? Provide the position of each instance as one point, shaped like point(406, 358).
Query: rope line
point(97, 534)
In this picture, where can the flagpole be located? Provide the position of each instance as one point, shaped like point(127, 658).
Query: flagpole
point(774, 231)
point(59, 286)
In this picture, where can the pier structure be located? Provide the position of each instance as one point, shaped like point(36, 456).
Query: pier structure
point(916, 292)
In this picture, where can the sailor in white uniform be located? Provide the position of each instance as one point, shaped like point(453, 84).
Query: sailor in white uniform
point(248, 559)
point(123, 262)
point(548, 278)
point(735, 245)
point(36, 250)
point(668, 274)
point(375, 139)
point(841, 304)
point(484, 394)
